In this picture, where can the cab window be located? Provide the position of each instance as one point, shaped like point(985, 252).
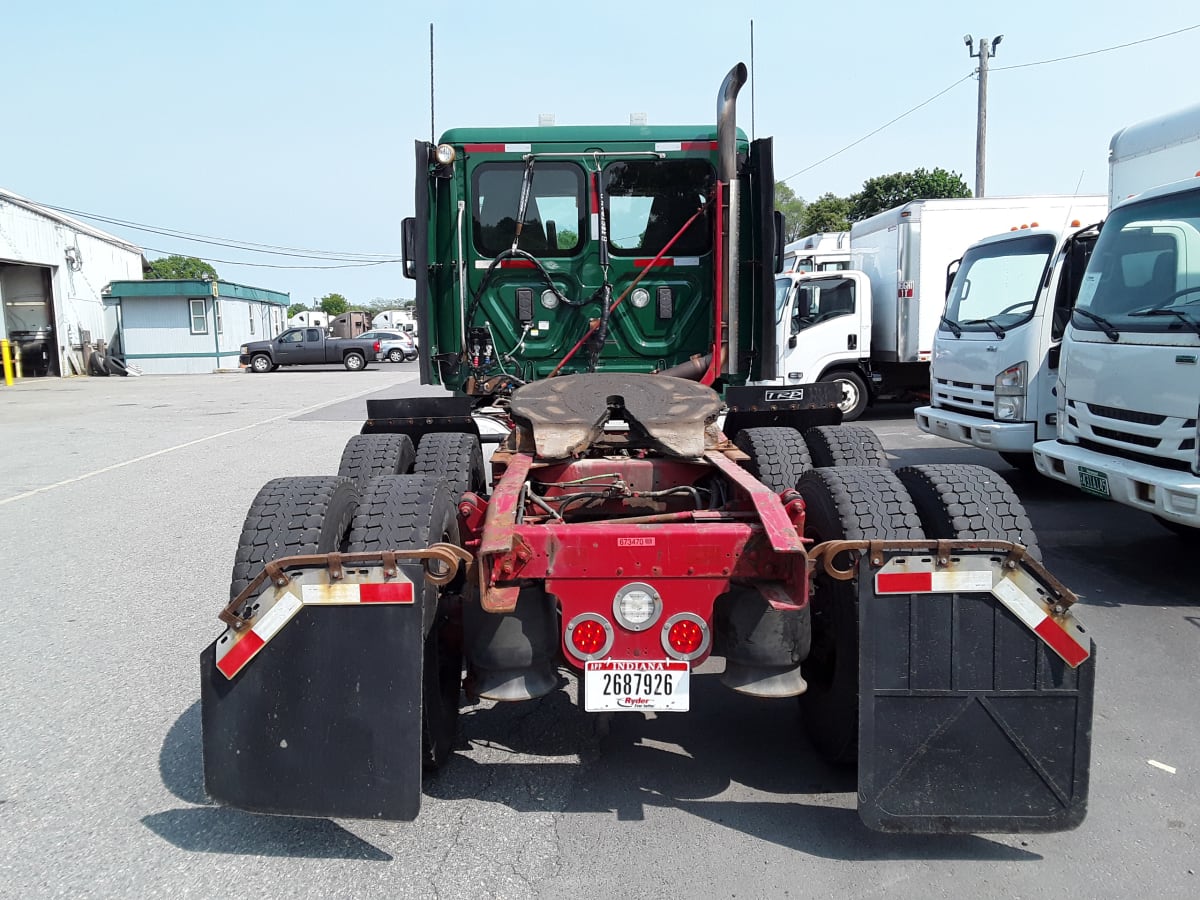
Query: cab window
point(291, 337)
point(649, 200)
point(554, 211)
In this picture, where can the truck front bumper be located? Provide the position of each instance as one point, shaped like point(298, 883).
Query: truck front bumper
point(243, 360)
point(1005, 437)
point(1168, 493)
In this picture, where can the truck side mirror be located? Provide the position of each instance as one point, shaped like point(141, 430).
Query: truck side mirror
point(408, 241)
point(792, 342)
point(780, 230)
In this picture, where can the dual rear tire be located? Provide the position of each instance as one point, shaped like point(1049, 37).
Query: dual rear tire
point(949, 502)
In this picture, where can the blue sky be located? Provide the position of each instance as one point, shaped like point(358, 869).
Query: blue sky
point(292, 123)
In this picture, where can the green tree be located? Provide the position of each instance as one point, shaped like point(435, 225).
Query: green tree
point(792, 208)
point(295, 309)
point(334, 304)
point(180, 267)
point(888, 191)
point(828, 212)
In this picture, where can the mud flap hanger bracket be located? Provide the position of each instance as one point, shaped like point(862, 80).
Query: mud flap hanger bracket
point(440, 562)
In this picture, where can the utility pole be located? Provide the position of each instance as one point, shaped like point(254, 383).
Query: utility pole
point(985, 52)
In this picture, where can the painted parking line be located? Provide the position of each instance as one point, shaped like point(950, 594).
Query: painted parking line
point(185, 445)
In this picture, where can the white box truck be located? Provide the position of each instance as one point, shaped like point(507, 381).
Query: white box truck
point(871, 328)
point(1128, 389)
point(827, 251)
point(996, 351)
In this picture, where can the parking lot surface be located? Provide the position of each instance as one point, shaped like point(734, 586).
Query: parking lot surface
point(121, 501)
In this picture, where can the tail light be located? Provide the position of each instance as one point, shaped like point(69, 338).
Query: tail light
point(589, 636)
point(377, 345)
point(685, 636)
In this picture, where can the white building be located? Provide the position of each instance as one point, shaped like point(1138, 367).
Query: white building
point(53, 270)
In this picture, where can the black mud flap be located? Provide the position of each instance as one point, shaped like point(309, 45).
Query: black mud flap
point(968, 722)
point(325, 720)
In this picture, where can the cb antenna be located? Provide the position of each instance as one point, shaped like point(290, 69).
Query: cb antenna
point(432, 129)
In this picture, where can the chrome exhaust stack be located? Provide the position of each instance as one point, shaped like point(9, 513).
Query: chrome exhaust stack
point(727, 173)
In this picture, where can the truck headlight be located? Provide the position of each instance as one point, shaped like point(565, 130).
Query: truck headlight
point(1010, 394)
point(245, 350)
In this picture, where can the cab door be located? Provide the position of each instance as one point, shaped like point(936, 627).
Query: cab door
point(830, 320)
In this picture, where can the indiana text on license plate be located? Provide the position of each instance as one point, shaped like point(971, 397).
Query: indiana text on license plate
point(618, 685)
point(1093, 482)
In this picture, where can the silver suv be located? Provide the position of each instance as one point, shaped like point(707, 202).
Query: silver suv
point(394, 346)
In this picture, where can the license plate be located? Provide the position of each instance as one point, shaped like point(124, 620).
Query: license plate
point(1093, 482)
point(611, 685)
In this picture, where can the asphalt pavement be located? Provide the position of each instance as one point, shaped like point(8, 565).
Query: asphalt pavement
point(121, 500)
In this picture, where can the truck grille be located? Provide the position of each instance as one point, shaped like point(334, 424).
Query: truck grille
point(1126, 415)
point(1132, 434)
point(964, 397)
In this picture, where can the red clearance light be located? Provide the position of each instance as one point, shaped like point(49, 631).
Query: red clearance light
point(1033, 224)
point(1075, 223)
point(588, 637)
point(685, 637)
point(1024, 227)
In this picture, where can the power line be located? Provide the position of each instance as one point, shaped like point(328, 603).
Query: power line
point(280, 265)
point(232, 243)
point(996, 68)
point(1045, 62)
point(880, 128)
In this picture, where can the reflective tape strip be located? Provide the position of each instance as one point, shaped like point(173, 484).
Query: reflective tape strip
point(675, 146)
point(244, 647)
point(687, 261)
point(497, 148)
point(336, 594)
point(1043, 625)
point(595, 226)
point(505, 264)
point(665, 263)
point(931, 582)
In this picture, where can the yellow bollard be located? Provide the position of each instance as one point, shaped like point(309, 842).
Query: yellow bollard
point(8, 366)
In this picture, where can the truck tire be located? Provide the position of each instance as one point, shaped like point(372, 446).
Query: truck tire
point(369, 455)
point(778, 456)
point(290, 517)
point(411, 512)
point(354, 361)
point(455, 456)
point(853, 503)
point(844, 445)
point(959, 502)
point(260, 363)
point(854, 393)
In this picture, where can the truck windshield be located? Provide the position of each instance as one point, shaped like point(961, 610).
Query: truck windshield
point(996, 286)
point(553, 213)
point(1144, 275)
point(649, 200)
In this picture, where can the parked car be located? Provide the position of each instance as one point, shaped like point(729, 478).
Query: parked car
point(307, 346)
point(394, 345)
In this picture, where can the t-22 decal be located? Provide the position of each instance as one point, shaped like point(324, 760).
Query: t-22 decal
point(785, 396)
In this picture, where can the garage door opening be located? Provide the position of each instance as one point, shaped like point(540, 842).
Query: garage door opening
point(29, 318)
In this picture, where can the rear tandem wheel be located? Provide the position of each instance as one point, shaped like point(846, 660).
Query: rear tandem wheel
point(454, 456)
point(411, 512)
point(851, 503)
point(369, 455)
point(778, 455)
